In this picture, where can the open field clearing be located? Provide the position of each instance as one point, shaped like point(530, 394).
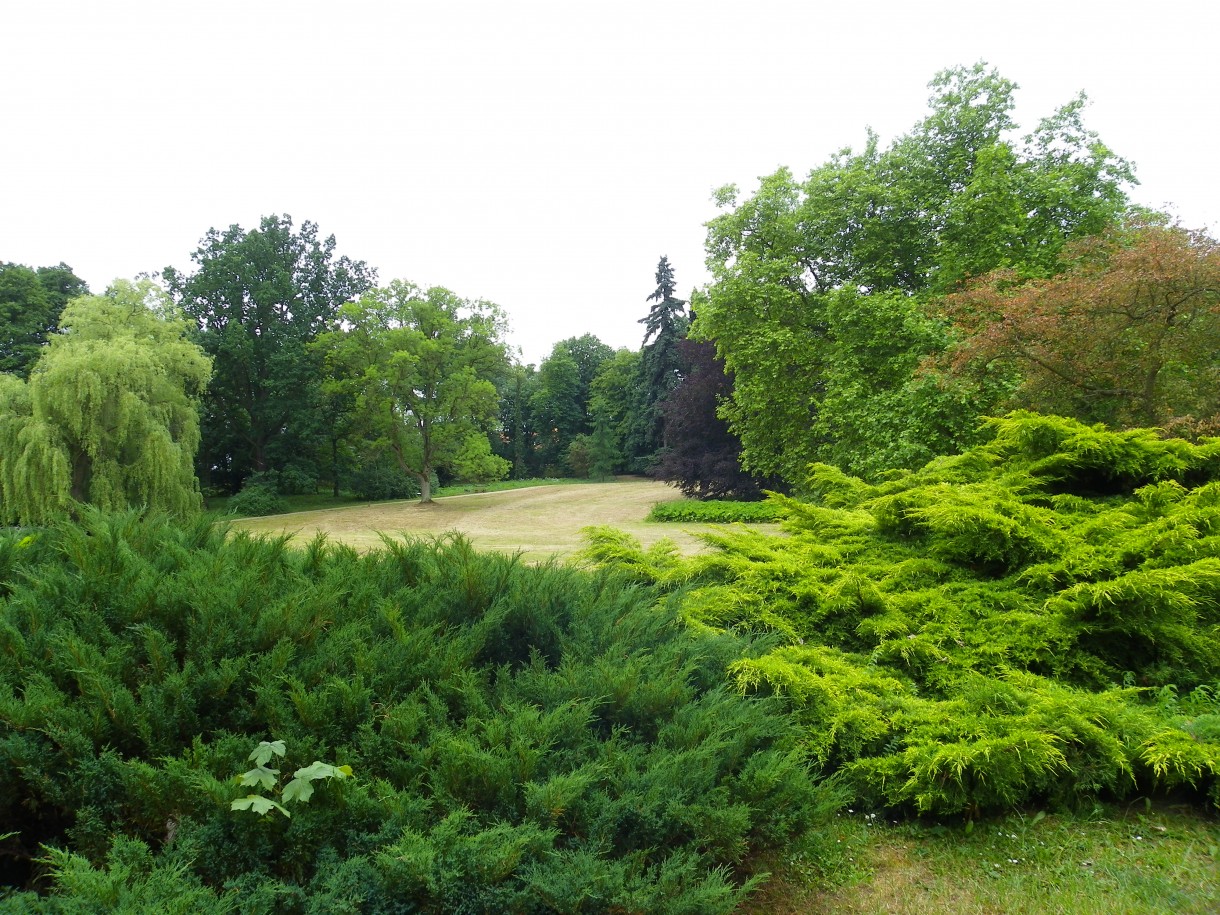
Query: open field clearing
point(538, 523)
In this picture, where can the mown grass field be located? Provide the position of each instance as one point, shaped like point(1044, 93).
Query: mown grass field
point(539, 522)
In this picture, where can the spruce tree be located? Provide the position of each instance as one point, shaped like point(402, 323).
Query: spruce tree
point(665, 326)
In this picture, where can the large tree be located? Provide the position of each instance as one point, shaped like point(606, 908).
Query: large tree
point(1127, 334)
point(805, 272)
point(109, 414)
point(665, 326)
point(422, 366)
point(259, 298)
point(701, 456)
point(614, 404)
point(30, 305)
point(561, 402)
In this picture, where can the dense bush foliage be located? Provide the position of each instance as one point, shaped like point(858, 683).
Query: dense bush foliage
point(522, 739)
point(1038, 618)
point(380, 478)
point(257, 499)
point(716, 512)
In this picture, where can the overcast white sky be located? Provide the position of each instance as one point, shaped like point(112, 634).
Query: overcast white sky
point(543, 155)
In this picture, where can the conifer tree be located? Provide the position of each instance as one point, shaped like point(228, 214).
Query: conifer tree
point(665, 326)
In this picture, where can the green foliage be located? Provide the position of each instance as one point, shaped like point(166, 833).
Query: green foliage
point(108, 417)
point(256, 500)
point(824, 300)
point(420, 367)
point(527, 739)
point(299, 790)
point(30, 304)
point(378, 478)
point(258, 298)
point(1009, 625)
point(714, 511)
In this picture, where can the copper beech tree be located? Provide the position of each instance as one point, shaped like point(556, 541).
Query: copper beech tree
point(1127, 334)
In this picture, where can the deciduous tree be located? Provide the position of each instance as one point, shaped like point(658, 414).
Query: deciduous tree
point(804, 271)
point(422, 366)
point(1127, 334)
point(258, 299)
point(701, 456)
point(30, 305)
point(109, 415)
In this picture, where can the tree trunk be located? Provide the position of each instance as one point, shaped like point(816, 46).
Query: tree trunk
point(425, 487)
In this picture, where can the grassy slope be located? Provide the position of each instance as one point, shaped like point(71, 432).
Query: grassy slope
point(1116, 860)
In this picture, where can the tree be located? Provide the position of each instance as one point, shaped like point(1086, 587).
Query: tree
point(423, 367)
point(560, 403)
point(660, 362)
point(30, 305)
point(615, 403)
point(259, 298)
point(109, 414)
point(603, 451)
point(1127, 334)
point(701, 456)
point(819, 289)
point(518, 432)
point(556, 409)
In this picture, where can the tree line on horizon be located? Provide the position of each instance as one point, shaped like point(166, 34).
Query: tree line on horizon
point(866, 316)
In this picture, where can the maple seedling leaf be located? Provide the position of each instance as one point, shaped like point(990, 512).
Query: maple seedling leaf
point(259, 776)
point(320, 769)
point(262, 754)
point(299, 789)
point(259, 804)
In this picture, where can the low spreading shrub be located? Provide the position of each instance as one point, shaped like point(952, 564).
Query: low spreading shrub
point(995, 629)
point(379, 479)
point(519, 739)
point(690, 511)
point(255, 500)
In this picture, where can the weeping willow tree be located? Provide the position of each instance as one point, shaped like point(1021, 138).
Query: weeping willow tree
point(108, 416)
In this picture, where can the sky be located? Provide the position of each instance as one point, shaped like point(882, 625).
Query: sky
point(542, 155)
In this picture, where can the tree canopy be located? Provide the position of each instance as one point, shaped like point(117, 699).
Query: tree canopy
point(422, 366)
point(804, 272)
point(258, 299)
point(1128, 333)
point(30, 305)
point(109, 415)
point(701, 456)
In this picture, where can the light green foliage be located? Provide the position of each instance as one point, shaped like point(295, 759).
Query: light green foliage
point(421, 366)
point(298, 790)
point(822, 300)
point(108, 416)
point(715, 511)
point(994, 628)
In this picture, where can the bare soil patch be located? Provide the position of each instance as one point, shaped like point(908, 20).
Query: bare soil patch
point(539, 523)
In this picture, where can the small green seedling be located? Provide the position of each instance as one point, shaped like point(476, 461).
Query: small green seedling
point(299, 789)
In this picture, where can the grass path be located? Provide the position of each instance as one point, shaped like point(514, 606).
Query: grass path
point(539, 522)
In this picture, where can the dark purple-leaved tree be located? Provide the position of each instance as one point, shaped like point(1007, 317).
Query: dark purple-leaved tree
point(700, 455)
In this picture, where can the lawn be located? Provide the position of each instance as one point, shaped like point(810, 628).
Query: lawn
point(538, 522)
point(1129, 859)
